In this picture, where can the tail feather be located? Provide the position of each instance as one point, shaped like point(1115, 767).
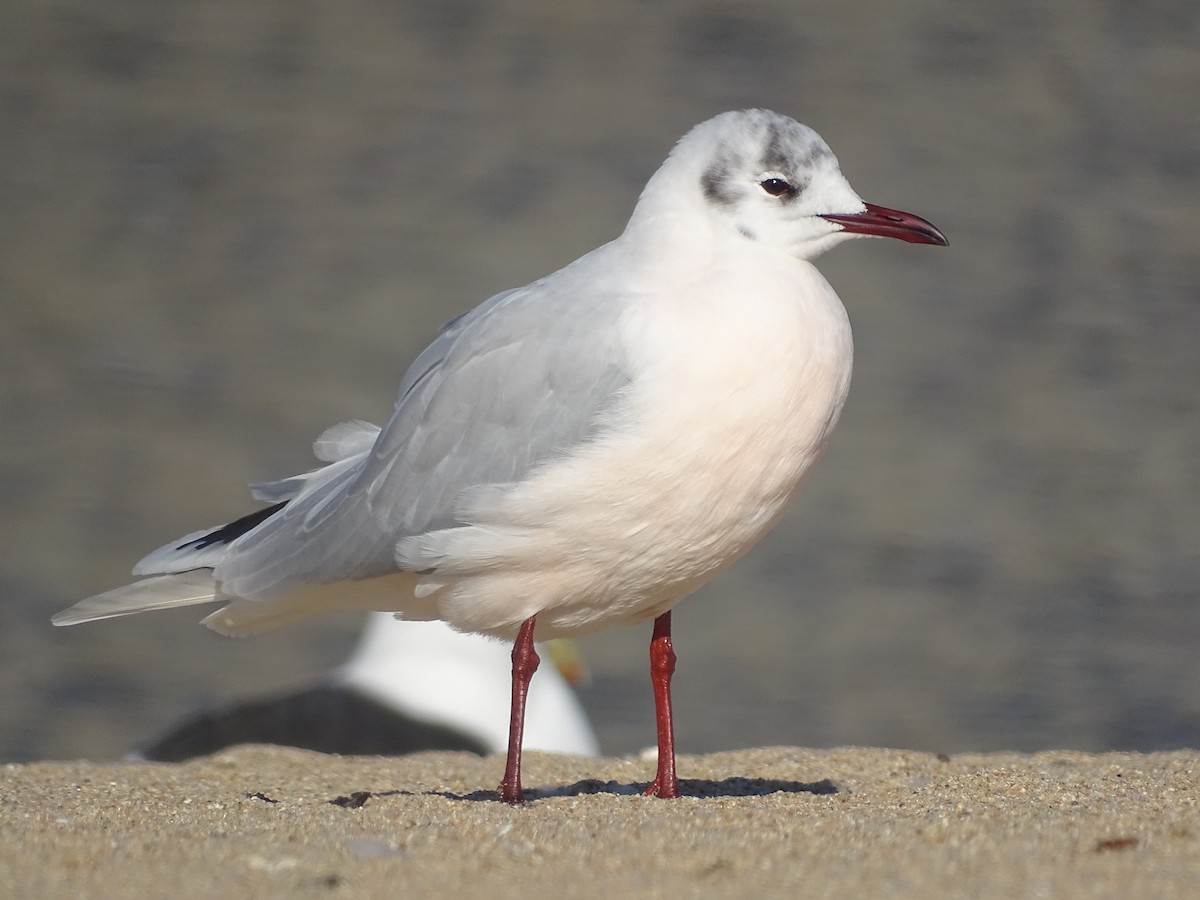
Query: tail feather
point(161, 592)
point(202, 549)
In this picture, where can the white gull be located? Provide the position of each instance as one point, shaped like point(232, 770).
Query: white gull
point(583, 451)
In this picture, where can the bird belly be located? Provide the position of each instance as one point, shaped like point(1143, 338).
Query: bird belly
point(714, 438)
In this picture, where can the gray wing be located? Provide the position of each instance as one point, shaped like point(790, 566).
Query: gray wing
point(520, 379)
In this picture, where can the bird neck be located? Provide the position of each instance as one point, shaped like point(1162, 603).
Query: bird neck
point(669, 223)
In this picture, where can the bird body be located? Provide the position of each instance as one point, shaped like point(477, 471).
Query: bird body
point(690, 468)
point(654, 429)
point(585, 450)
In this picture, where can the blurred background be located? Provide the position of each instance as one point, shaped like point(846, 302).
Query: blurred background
point(225, 226)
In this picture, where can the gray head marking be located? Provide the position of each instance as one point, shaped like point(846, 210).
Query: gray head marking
point(792, 151)
point(717, 180)
point(766, 146)
point(774, 155)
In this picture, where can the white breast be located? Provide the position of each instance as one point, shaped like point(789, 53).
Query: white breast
point(740, 379)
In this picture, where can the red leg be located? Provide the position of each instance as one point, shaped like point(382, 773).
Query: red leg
point(524, 663)
point(662, 667)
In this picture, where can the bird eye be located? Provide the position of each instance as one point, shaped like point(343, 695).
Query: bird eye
point(777, 187)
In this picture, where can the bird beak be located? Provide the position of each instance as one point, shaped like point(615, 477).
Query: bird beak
point(883, 222)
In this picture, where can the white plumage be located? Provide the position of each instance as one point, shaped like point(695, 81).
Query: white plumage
point(590, 447)
point(587, 449)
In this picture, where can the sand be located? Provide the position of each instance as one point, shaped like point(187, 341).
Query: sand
point(266, 821)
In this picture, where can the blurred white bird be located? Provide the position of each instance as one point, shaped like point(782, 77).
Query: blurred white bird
point(409, 686)
point(583, 451)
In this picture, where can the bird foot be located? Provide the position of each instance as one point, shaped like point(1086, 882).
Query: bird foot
point(666, 789)
point(511, 793)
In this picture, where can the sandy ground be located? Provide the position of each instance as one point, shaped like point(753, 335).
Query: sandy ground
point(259, 821)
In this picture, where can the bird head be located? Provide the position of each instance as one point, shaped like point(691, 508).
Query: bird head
point(768, 179)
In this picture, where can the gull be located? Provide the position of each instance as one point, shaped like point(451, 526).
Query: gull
point(408, 687)
point(581, 452)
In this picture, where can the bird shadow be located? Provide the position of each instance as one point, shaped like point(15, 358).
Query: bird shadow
point(688, 787)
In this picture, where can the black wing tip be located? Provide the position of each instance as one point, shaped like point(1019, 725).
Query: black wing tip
point(230, 532)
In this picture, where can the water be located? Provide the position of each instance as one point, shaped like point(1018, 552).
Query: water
point(1000, 548)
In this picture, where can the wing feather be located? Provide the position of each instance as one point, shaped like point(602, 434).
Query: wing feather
point(521, 379)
